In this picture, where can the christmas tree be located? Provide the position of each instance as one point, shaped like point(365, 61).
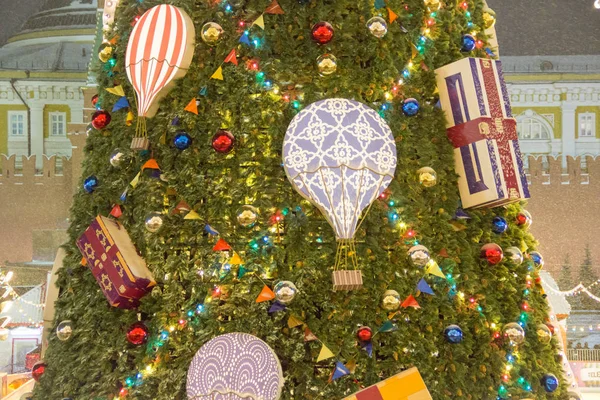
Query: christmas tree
point(228, 243)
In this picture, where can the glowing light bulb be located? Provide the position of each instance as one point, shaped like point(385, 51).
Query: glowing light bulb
point(597, 4)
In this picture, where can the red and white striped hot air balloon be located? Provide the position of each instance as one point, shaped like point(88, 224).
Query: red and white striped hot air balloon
point(160, 50)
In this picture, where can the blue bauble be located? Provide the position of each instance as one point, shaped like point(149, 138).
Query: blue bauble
point(453, 334)
point(550, 383)
point(90, 184)
point(538, 260)
point(182, 140)
point(468, 43)
point(499, 225)
point(411, 107)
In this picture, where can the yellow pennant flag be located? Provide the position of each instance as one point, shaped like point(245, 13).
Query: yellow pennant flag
point(192, 215)
point(135, 180)
point(325, 354)
point(434, 269)
point(260, 22)
point(129, 119)
point(117, 90)
point(218, 74)
point(293, 321)
point(236, 259)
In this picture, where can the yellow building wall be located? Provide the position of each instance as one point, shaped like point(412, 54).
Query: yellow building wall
point(587, 109)
point(556, 111)
point(4, 109)
point(49, 108)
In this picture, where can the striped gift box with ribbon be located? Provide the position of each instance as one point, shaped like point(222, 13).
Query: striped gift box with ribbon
point(407, 385)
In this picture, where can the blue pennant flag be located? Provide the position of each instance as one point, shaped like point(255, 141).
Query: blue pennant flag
point(379, 4)
point(245, 38)
point(423, 287)
point(276, 307)
point(120, 104)
point(210, 230)
point(340, 370)
point(203, 91)
point(490, 52)
point(388, 327)
point(438, 105)
point(461, 214)
point(368, 347)
point(175, 121)
point(124, 195)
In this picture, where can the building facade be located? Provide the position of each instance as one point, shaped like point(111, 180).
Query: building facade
point(42, 70)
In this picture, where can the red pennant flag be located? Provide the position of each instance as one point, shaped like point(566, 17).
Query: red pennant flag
point(221, 245)
point(410, 302)
point(116, 211)
point(181, 207)
point(444, 253)
point(232, 57)
point(266, 294)
point(192, 107)
point(309, 336)
point(274, 8)
point(392, 15)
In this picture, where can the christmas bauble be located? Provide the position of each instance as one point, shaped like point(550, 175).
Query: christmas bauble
point(38, 370)
point(468, 43)
point(154, 221)
point(364, 334)
point(182, 140)
point(513, 333)
point(427, 177)
point(322, 32)
point(90, 184)
point(211, 33)
point(223, 141)
point(524, 219)
point(100, 119)
point(543, 333)
point(377, 26)
point(515, 255)
point(499, 225)
point(419, 256)
point(492, 253)
point(391, 300)
point(105, 52)
point(137, 334)
point(285, 291)
point(116, 158)
point(453, 334)
point(549, 383)
point(95, 100)
point(410, 107)
point(489, 18)
point(537, 259)
point(327, 64)
point(247, 216)
point(64, 330)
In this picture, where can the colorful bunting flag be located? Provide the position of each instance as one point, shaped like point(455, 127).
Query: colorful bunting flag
point(388, 326)
point(325, 353)
point(424, 287)
point(221, 245)
point(236, 259)
point(293, 321)
point(192, 215)
point(368, 347)
point(210, 230)
point(116, 90)
point(392, 15)
point(410, 302)
point(276, 307)
point(434, 269)
point(309, 336)
point(116, 211)
point(339, 371)
point(444, 253)
point(232, 57)
point(266, 294)
point(218, 74)
point(351, 365)
point(134, 182)
point(181, 207)
point(274, 8)
point(123, 196)
point(150, 164)
point(241, 272)
point(129, 118)
point(121, 104)
point(175, 121)
point(379, 4)
point(192, 107)
point(245, 38)
point(260, 22)
point(203, 91)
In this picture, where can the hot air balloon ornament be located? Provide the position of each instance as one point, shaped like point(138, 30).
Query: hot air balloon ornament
point(340, 155)
point(160, 50)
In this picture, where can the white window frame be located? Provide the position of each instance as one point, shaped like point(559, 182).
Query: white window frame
point(584, 118)
point(531, 126)
point(11, 134)
point(51, 124)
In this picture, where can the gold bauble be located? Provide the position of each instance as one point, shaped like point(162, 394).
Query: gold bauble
point(489, 18)
point(105, 53)
point(327, 64)
point(211, 33)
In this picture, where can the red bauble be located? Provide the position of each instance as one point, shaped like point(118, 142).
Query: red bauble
point(38, 370)
point(492, 253)
point(223, 141)
point(364, 334)
point(322, 32)
point(524, 219)
point(551, 327)
point(100, 119)
point(94, 100)
point(137, 334)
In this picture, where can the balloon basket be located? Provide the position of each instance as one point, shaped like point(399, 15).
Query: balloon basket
point(347, 280)
point(140, 143)
point(346, 255)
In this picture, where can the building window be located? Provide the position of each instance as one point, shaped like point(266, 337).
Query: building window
point(533, 128)
point(587, 125)
point(58, 124)
point(17, 124)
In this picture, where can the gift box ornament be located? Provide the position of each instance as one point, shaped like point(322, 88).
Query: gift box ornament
point(407, 385)
point(120, 271)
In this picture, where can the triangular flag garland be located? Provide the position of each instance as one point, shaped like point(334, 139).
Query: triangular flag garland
point(276, 307)
point(116, 211)
point(192, 107)
point(217, 75)
point(129, 118)
point(392, 15)
point(210, 230)
point(325, 353)
point(134, 182)
point(293, 322)
point(232, 57)
point(121, 104)
point(379, 4)
point(410, 302)
point(388, 326)
point(368, 347)
point(260, 22)
point(309, 336)
point(266, 294)
point(434, 269)
point(274, 8)
point(150, 164)
point(221, 245)
point(245, 38)
point(117, 91)
point(203, 90)
point(424, 287)
point(236, 260)
point(192, 215)
point(340, 370)
point(241, 271)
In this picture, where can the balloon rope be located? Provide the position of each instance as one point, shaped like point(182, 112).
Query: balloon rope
point(370, 205)
point(140, 127)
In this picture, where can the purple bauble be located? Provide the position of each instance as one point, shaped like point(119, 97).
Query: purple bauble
point(235, 366)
